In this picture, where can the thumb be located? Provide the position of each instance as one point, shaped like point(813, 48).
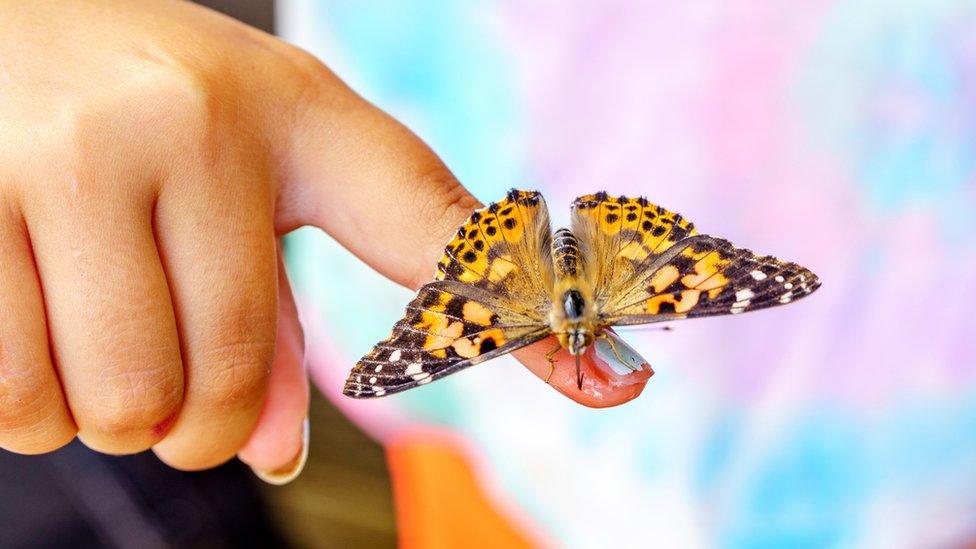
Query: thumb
point(382, 193)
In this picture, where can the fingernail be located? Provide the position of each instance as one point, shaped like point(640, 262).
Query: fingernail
point(290, 471)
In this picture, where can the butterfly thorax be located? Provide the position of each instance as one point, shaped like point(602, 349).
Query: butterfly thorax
point(573, 317)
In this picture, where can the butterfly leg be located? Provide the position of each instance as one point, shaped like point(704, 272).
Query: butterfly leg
point(552, 363)
point(616, 353)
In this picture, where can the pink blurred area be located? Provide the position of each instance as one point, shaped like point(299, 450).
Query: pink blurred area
point(838, 134)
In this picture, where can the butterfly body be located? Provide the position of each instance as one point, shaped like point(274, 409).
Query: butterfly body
point(573, 317)
point(506, 281)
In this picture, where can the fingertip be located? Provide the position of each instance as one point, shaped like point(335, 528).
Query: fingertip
point(279, 475)
point(603, 386)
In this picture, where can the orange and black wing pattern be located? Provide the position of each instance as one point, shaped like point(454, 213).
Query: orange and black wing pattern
point(707, 276)
point(489, 297)
point(652, 265)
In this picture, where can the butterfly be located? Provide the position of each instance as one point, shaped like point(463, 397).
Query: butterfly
point(506, 281)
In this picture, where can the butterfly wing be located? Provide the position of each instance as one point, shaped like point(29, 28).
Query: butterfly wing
point(505, 249)
point(621, 237)
point(707, 276)
point(655, 267)
point(489, 297)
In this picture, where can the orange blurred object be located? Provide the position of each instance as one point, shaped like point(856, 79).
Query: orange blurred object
point(439, 500)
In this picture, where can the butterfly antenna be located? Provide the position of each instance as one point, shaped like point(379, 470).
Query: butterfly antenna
point(665, 328)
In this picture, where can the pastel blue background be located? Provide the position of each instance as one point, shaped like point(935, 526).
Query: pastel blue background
point(840, 134)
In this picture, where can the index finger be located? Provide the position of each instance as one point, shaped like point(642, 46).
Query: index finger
point(382, 193)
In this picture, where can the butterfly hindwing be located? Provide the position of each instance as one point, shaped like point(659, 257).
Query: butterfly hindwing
point(444, 330)
point(621, 236)
point(489, 297)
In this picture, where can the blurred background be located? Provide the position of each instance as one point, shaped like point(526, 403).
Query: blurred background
point(837, 133)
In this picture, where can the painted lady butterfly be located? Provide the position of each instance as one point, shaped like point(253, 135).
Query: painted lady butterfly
point(506, 281)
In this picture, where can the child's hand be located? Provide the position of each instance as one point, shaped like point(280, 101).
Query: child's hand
point(150, 154)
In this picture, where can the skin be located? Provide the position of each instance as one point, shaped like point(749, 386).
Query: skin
point(151, 155)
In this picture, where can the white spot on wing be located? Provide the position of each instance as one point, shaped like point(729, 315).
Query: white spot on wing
point(421, 376)
point(378, 391)
point(372, 380)
point(414, 369)
point(394, 356)
point(758, 275)
point(742, 298)
point(779, 278)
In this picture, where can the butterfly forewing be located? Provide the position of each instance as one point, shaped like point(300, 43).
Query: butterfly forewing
point(489, 297)
point(652, 266)
point(504, 248)
point(621, 237)
point(707, 276)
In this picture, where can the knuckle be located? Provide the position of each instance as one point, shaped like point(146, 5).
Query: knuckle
point(26, 402)
point(302, 63)
point(180, 96)
point(239, 362)
point(238, 376)
point(444, 201)
point(134, 401)
point(183, 107)
point(114, 130)
point(441, 196)
point(309, 85)
point(299, 66)
point(33, 415)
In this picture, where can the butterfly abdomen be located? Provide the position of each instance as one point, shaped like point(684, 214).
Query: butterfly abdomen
point(566, 256)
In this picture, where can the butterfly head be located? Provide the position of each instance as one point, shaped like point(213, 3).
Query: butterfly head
point(577, 340)
point(572, 320)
